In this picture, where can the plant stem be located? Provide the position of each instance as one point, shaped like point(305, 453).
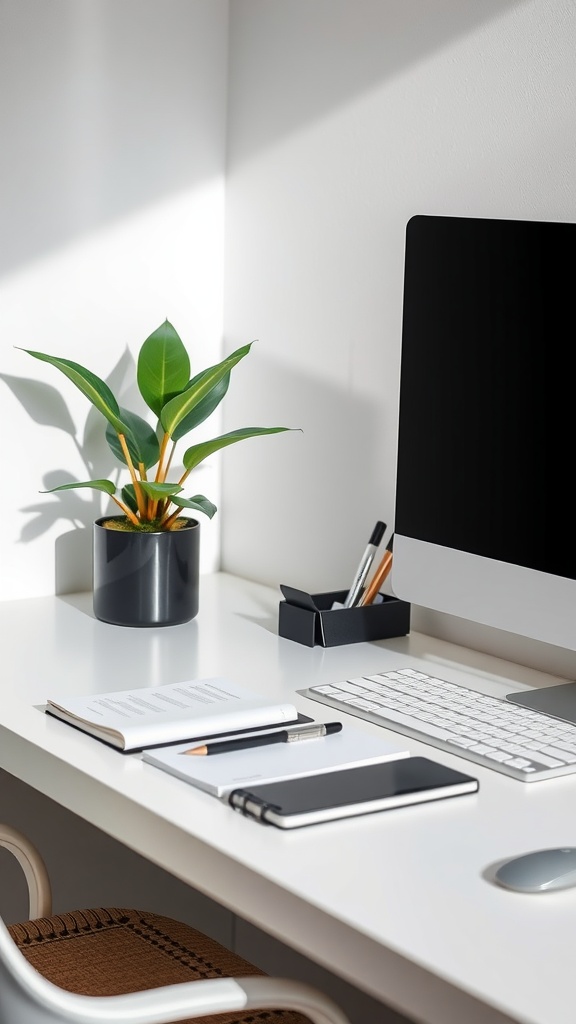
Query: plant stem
point(139, 499)
point(166, 524)
point(161, 471)
point(169, 463)
point(150, 513)
point(127, 511)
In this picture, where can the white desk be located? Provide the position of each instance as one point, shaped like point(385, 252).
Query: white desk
point(398, 903)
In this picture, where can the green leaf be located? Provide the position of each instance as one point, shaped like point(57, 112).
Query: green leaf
point(204, 409)
point(142, 441)
point(175, 411)
point(198, 452)
point(163, 367)
point(98, 485)
point(129, 497)
point(159, 491)
point(95, 389)
point(198, 502)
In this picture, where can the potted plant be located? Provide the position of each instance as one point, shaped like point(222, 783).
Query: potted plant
point(146, 558)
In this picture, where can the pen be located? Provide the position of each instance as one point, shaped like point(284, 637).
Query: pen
point(303, 732)
point(365, 563)
point(379, 576)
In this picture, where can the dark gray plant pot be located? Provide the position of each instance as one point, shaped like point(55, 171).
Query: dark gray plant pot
point(146, 579)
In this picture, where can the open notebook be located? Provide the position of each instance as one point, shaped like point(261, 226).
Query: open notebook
point(146, 717)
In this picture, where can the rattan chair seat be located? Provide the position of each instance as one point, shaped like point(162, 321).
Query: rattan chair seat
point(110, 951)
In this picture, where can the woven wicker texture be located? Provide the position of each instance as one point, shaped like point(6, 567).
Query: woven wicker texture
point(112, 951)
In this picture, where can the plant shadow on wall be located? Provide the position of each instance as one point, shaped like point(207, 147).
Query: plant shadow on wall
point(146, 559)
point(45, 406)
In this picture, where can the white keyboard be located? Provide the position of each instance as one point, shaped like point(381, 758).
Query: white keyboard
point(516, 741)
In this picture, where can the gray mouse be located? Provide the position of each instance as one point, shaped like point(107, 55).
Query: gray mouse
point(539, 871)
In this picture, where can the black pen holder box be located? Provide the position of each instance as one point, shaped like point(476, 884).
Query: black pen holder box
point(310, 619)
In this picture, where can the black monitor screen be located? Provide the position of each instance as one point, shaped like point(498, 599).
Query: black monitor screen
point(487, 435)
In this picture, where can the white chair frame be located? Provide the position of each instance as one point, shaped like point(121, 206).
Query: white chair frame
point(26, 997)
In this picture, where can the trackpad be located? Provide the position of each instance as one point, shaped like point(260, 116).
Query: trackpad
point(558, 701)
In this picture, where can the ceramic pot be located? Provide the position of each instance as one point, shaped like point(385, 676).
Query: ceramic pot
point(146, 579)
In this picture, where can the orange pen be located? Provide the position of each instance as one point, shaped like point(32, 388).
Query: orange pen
point(379, 576)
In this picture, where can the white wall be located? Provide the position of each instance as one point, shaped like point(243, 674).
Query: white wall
point(345, 119)
point(111, 219)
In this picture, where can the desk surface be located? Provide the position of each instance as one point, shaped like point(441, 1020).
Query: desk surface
point(399, 903)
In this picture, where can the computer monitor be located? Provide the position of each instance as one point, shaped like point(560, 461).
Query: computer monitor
point(485, 520)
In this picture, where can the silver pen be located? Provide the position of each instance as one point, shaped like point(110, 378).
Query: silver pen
point(365, 563)
point(311, 732)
